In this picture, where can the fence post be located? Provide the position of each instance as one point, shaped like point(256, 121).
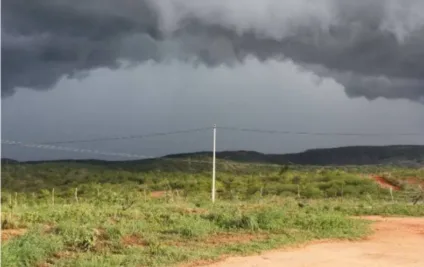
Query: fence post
point(419, 196)
point(11, 207)
point(145, 195)
point(214, 163)
point(53, 196)
point(298, 191)
point(391, 194)
point(76, 194)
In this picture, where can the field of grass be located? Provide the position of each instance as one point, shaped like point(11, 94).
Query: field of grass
point(81, 214)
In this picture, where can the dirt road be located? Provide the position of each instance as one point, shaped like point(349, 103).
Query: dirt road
point(396, 242)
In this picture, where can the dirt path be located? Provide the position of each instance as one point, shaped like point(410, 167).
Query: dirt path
point(396, 242)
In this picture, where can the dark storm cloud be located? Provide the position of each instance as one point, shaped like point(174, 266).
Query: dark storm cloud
point(374, 48)
point(44, 40)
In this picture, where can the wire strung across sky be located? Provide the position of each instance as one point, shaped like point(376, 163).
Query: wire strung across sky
point(132, 156)
point(189, 160)
point(127, 137)
point(202, 129)
point(76, 150)
point(129, 155)
point(51, 145)
point(316, 133)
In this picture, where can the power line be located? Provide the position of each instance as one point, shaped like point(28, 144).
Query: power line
point(98, 152)
point(75, 150)
point(316, 133)
point(130, 155)
point(229, 163)
point(265, 131)
point(128, 137)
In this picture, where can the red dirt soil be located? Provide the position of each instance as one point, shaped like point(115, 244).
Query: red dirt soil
point(415, 181)
point(396, 242)
point(7, 234)
point(233, 238)
point(134, 240)
point(219, 239)
point(158, 194)
point(384, 183)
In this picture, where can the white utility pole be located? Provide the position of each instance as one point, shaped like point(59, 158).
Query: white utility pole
point(213, 163)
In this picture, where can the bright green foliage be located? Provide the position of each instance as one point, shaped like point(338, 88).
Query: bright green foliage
point(234, 181)
point(30, 248)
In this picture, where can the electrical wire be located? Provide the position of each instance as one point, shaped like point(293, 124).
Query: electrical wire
point(130, 155)
point(315, 133)
point(265, 131)
point(127, 137)
point(227, 162)
point(75, 150)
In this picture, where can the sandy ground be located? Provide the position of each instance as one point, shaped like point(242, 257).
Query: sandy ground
point(396, 242)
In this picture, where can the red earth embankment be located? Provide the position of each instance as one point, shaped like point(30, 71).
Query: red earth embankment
point(384, 183)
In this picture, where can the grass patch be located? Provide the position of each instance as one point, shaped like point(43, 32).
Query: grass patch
point(29, 249)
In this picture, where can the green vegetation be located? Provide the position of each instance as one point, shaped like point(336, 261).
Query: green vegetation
point(192, 177)
point(158, 212)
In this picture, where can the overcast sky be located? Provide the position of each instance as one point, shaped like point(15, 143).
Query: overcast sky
point(100, 70)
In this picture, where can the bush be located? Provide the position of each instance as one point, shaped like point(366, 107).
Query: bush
point(311, 192)
point(29, 249)
point(192, 227)
point(76, 236)
point(230, 221)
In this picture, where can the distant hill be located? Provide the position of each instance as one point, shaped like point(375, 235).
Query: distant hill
point(406, 155)
point(358, 155)
point(8, 161)
point(354, 155)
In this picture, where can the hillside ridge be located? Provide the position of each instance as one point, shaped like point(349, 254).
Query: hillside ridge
point(348, 155)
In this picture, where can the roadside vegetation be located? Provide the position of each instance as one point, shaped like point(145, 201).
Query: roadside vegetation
point(160, 213)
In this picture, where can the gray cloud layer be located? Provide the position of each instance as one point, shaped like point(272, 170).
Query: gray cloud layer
point(374, 48)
